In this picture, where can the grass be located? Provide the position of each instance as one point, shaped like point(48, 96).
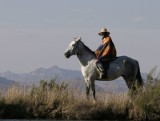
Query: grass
point(50, 100)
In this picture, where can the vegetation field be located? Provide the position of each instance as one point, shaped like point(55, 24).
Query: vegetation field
point(50, 100)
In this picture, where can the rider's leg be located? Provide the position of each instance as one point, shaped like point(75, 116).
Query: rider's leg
point(102, 70)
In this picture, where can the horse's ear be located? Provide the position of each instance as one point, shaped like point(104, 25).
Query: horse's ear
point(77, 39)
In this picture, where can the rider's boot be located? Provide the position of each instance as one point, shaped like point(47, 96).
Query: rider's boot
point(102, 71)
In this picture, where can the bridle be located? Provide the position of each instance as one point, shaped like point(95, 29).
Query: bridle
point(77, 47)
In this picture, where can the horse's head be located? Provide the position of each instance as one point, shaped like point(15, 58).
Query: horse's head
point(72, 48)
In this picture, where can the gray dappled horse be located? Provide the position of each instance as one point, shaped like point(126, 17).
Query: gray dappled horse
point(123, 66)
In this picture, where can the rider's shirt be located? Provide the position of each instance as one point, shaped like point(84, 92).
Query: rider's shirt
point(106, 51)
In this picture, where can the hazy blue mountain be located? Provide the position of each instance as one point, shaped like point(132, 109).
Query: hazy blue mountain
point(6, 82)
point(43, 73)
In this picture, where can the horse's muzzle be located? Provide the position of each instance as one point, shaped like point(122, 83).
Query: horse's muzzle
point(67, 54)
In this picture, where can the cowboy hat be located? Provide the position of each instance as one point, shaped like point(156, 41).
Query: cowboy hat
point(103, 30)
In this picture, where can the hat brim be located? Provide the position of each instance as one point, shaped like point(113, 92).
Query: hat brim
point(100, 33)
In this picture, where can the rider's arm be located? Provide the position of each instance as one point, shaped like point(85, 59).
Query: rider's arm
point(105, 48)
point(98, 51)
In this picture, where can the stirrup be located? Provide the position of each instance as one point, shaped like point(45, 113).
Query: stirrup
point(101, 75)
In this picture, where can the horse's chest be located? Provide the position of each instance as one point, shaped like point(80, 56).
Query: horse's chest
point(84, 71)
point(87, 71)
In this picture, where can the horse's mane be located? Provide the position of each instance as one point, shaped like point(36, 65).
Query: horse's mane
point(88, 49)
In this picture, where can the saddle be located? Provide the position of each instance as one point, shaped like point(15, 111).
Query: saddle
point(106, 63)
point(103, 67)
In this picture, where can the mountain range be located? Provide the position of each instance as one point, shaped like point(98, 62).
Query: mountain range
point(73, 77)
point(35, 76)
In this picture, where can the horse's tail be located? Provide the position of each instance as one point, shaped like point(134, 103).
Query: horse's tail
point(139, 77)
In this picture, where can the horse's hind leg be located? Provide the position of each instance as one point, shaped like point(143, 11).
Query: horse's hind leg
point(130, 84)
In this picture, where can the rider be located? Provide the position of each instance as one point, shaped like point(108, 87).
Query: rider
point(105, 52)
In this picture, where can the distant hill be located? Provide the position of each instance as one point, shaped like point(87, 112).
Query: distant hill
point(72, 77)
point(5, 83)
point(43, 73)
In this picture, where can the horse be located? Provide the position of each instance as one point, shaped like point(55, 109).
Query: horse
point(123, 66)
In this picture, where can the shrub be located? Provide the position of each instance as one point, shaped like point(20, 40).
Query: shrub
point(147, 102)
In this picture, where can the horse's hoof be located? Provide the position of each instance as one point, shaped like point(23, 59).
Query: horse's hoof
point(94, 102)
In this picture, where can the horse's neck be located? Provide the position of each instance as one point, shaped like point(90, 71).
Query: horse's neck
point(85, 55)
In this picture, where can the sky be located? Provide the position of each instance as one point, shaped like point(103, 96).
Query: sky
point(36, 33)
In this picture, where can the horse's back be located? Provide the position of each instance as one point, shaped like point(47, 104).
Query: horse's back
point(124, 58)
point(126, 62)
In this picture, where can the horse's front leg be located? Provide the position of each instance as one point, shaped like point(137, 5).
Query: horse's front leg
point(87, 92)
point(87, 88)
point(92, 84)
